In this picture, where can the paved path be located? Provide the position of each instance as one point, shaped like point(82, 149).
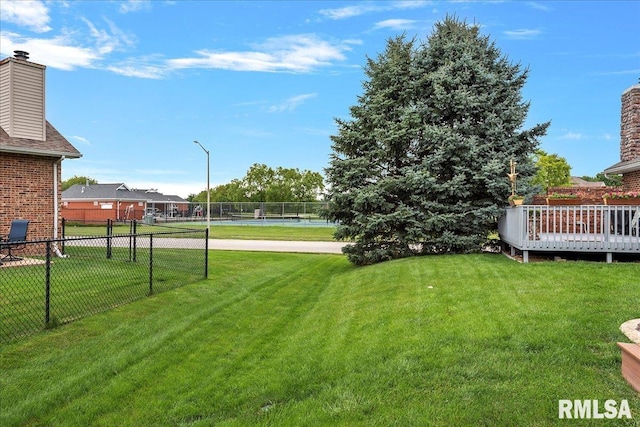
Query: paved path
point(215, 244)
point(276, 246)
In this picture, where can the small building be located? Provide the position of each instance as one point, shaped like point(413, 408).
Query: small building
point(31, 150)
point(629, 164)
point(96, 203)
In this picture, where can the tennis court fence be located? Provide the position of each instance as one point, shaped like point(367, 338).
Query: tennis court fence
point(220, 213)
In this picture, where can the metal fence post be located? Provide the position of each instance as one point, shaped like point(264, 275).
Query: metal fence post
point(47, 285)
point(135, 240)
point(131, 241)
point(206, 254)
point(150, 264)
point(64, 225)
point(109, 234)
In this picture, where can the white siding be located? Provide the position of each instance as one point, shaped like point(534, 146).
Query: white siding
point(5, 94)
point(24, 114)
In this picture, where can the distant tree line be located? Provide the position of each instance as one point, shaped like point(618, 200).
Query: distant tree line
point(82, 180)
point(265, 184)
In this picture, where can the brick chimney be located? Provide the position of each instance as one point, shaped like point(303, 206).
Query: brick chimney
point(630, 124)
point(22, 103)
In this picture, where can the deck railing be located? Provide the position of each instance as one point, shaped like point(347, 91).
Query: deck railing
point(583, 228)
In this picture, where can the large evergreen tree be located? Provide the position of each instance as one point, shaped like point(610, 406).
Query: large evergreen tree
point(421, 166)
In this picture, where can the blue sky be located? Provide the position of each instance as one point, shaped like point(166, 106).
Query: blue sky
point(132, 83)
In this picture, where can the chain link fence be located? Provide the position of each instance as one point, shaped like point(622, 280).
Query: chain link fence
point(51, 282)
point(221, 213)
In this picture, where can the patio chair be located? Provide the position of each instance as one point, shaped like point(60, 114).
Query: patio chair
point(15, 240)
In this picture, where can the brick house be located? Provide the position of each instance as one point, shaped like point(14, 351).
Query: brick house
point(629, 164)
point(99, 202)
point(31, 150)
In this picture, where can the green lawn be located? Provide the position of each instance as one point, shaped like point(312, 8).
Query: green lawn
point(87, 282)
point(244, 232)
point(299, 339)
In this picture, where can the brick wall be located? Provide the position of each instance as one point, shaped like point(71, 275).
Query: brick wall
point(631, 181)
point(26, 192)
point(630, 124)
point(589, 195)
point(90, 212)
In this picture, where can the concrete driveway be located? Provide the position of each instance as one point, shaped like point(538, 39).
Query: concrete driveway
point(276, 246)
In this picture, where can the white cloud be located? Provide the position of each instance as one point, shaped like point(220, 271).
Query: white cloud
point(294, 53)
point(135, 6)
point(522, 34)
point(81, 139)
point(64, 51)
point(539, 6)
point(411, 4)
point(134, 68)
point(291, 103)
point(395, 24)
point(368, 7)
point(57, 52)
point(33, 15)
point(108, 41)
point(349, 11)
point(574, 136)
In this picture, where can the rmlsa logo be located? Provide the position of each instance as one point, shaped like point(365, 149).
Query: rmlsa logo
point(571, 409)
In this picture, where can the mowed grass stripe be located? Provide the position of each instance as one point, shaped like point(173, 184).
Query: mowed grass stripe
point(297, 339)
point(249, 300)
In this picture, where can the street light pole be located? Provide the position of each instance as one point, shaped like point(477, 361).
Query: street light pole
point(208, 192)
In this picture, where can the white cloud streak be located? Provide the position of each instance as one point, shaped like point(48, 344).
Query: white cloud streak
point(56, 52)
point(522, 34)
point(572, 136)
point(135, 6)
point(539, 6)
point(291, 103)
point(64, 51)
point(294, 53)
point(93, 47)
point(33, 15)
point(395, 24)
point(108, 41)
point(369, 7)
point(81, 139)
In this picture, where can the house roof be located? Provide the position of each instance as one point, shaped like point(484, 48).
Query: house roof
point(159, 197)
point(579, 182)
point(624, 167)
point(117, 191)
point(55, 145)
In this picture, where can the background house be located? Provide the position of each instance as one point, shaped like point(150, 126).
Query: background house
point(31, 150)
point(99, 202)
point(629, 165)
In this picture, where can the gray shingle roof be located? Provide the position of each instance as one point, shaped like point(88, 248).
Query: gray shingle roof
point(624, 167)
point(55, 145)
point(117, 191)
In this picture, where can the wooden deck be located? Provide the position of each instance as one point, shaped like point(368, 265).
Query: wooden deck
point(586, 228)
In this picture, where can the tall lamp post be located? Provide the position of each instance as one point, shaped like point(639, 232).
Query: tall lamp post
point(208, 192)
